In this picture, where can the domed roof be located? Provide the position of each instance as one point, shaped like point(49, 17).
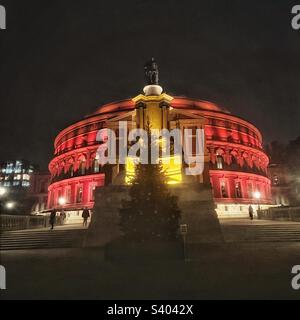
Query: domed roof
point(178, 102)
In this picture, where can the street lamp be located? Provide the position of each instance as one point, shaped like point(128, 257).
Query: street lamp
point(10, 205)
point(3, 191)
point(257, 196)
point(62, 201)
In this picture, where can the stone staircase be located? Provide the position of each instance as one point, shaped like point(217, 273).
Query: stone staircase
point(42, 239)
point(261, 231)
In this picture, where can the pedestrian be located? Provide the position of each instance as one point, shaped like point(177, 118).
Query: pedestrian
point(52, 219)
point(85, 216)
point(63, 216)
point(251, 212)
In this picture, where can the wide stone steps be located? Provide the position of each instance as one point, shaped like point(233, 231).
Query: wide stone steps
point(45, 239)
point(262, 233)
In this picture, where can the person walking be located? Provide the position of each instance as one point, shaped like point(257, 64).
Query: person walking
point(85, 216)
point(63, 216)
point(251, 212)
point(52, 219)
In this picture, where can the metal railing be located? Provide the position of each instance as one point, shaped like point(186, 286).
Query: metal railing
point(11, 222)
point(280, 213)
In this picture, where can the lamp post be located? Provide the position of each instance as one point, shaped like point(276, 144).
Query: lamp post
point(62, 201)
point(257, 196)
point(184, 231)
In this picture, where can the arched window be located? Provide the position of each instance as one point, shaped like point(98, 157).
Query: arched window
point(71, 170)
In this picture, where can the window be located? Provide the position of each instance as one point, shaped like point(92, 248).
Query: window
point(18, 168)
point(224, 192)
point(71, 170)
point(96, 166)
point(82, 168)
point(275, 180)
point(68, 194)
point(92, 192)
point(220, 162)
point(25, 184)
point(250, 190)
point(238, 190)
point(26, 177)
point(79, 194)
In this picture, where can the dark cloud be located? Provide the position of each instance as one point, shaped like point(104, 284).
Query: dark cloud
point(61, 59)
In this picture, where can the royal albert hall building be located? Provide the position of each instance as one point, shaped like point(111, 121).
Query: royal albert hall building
point(238, 164)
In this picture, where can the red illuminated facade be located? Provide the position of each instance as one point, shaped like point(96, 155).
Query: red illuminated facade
point(238, 163)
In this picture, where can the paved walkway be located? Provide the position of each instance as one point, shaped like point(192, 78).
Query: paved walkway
point(256, 222)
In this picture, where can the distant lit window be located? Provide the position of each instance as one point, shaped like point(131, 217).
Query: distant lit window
point(7, 184)
point(25, 184)
point(276, 180)
point(16, 183)
point(18, 177)
point(18, 168)
point(9, 168)
point(220, 162)
point(26, 177)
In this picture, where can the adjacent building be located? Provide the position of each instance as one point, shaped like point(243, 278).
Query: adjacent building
point(16, 174)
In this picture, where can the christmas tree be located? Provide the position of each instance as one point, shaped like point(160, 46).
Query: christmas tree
point(152, 213)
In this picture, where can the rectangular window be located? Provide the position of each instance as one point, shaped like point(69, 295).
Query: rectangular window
point(25, 184)
point(224, 192)
point(26, 177)
point(96, 166)
point(250, 190)
point(238, 190)
point(68, 194)
point(79, 194)
point(92, 192)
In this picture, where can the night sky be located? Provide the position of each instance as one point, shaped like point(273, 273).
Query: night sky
point(60, 60)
